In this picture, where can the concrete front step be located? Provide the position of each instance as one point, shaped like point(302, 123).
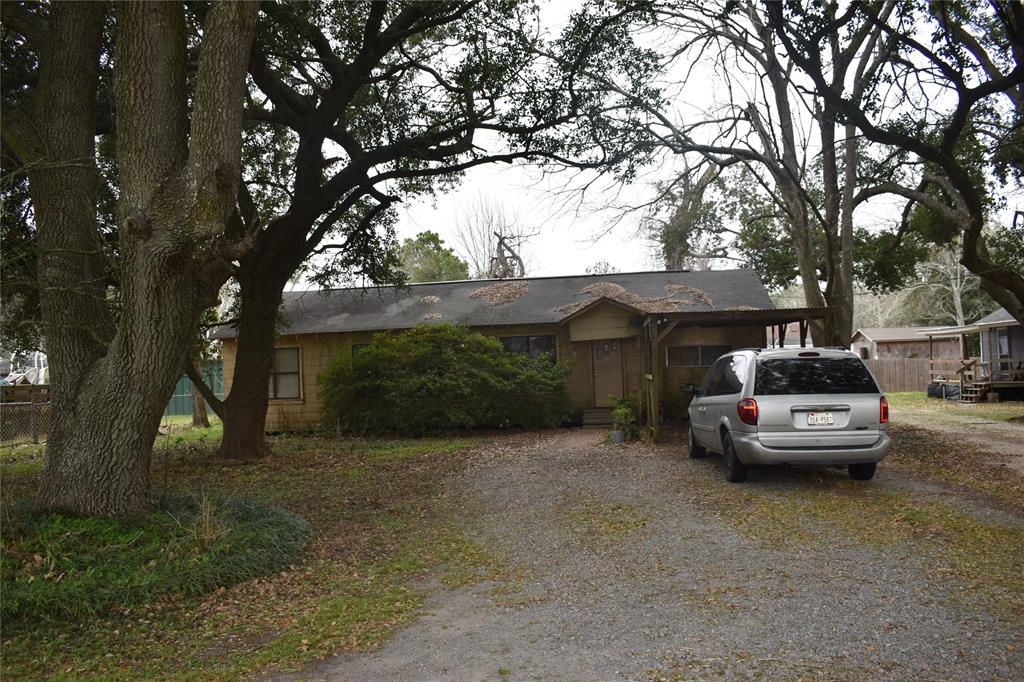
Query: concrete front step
point(600, 417)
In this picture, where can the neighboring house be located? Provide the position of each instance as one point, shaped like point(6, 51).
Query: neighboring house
point(874, 343)
point(645, 333)
point(1002, 345)
point(1000, 367)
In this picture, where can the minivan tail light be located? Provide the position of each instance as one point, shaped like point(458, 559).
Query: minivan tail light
point(883, 410)
point(747, 411)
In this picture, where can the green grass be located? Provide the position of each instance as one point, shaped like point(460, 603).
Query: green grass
point(186, 420)
point(378, 523)
point(919, 402)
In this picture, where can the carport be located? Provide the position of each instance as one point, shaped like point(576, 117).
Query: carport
point(661, 328)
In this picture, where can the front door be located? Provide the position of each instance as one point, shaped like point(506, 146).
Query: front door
point(607, 371)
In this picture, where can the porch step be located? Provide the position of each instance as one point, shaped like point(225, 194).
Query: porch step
point(974, 392)
point(598, 418)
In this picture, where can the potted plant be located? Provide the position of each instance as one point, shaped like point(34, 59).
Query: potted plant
point(624, 420)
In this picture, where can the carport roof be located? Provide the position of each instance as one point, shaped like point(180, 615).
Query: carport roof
point(727, 295)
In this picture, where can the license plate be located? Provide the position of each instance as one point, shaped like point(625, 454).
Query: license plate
point(819, 418)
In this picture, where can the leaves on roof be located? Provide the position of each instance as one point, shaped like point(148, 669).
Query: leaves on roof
point(661, 304)
point(501, 293)
point(430, 300)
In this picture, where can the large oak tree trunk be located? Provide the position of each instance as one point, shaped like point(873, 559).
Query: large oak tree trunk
point(110, 384)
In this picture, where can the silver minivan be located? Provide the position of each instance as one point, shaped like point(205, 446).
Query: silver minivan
point(800, 406)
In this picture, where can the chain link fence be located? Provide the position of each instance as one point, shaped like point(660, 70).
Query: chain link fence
point(24, 422)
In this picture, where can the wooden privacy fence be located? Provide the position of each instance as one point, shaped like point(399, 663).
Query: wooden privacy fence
point(900, 374)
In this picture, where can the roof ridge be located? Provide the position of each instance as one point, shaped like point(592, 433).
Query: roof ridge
point(519, 279)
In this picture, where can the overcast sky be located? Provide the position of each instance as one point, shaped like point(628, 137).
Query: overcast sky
point(567, 242)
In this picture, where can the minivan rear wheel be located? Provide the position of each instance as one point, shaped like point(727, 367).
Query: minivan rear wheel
point(863, 472)
point(735, 470)
point(695, 449)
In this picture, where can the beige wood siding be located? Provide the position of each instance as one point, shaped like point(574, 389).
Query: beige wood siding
point(604, 321)
point(673, 378)
point(318, 350)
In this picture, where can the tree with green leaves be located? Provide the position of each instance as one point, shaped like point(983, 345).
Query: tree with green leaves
point(381, 101)
point(425, 258)
point(114, 359)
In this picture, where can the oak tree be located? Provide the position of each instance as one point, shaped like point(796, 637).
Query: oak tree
point(116, 355)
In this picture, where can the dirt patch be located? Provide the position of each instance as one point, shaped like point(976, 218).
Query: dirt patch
point(1001, 440)
point(669, 303)
point(501, 293)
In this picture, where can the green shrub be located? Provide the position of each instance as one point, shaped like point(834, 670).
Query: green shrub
point(64, 567)
point(439, 377)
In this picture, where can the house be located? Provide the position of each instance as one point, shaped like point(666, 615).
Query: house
point(998, 370)
point(1002, 345)
point(873, 343)
point(644, 333)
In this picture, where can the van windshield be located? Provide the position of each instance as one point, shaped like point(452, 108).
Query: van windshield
point(796, 376)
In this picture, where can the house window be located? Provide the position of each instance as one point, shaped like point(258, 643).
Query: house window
point(534, 346)
point(694, 356)
point(284, 375)
point(864, 353)
point(1003, 341)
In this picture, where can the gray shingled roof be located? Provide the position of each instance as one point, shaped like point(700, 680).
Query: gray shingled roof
point(546, 300)
point(998, 316)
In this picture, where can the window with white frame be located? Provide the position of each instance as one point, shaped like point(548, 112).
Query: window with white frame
point(284, 375)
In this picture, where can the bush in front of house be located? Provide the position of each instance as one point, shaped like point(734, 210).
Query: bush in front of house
point(440, 377)
point(58, 567)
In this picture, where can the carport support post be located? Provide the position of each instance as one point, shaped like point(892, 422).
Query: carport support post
point(803, 333)
point(655, 383)
point(657, 337)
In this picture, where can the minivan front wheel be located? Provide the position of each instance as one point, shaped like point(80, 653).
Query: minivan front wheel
point(735, 470)
point(695, 449)
point(862, 472)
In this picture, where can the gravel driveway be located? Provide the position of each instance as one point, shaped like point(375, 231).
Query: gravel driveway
point(625, 568)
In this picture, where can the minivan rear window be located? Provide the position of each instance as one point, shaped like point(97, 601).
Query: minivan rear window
point(796, 376)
